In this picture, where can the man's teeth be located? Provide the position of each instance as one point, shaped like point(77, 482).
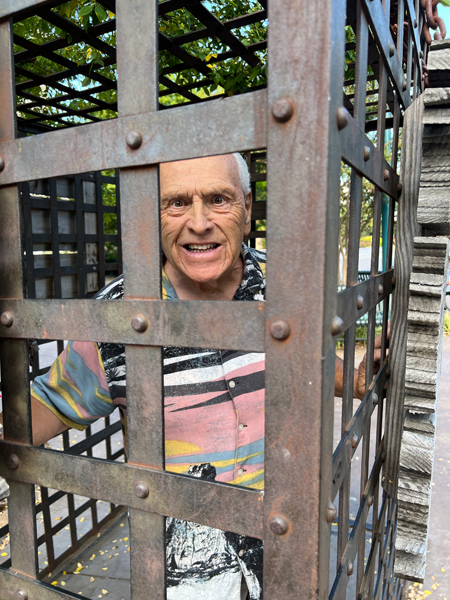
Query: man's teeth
point(200, 247)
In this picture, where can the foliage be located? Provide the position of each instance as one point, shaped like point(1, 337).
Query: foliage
point(361, 336)
point(231, 76)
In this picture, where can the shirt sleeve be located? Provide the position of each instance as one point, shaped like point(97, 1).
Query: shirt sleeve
point(75, 389)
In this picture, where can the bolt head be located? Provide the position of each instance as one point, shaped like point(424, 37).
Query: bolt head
point(134, 139)
point(13, 462)
point(7, 318)
point(141, 490)
point(393, 280)
point(391, 50)
point(366, 153)
point(421, 54)
point(380, 289)
point(331, 512)
point(337, 326)
point(355, 440)
point(399, 188)
point(2, 163)
point(386, 174)
point(359, 302)
point(21, 595)
point(139, 323)
point(282, 110)
point(369, 500)
point(278, 525)
point(350, 569)
point(415, 25)
point(404, 86)
point(342, 118)
point(280, 330)
point(375, 398)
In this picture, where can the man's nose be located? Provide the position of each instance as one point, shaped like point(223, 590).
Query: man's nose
point(199, 221)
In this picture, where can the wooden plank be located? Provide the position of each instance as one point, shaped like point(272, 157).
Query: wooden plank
point(407, 229)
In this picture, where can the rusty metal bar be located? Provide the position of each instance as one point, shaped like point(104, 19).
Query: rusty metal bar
point(303, 184)
point(139, 188)
point(12, 7)
point(14, 356)
point(171, 495)
point(185, 324)
point(354, 143)
point(19, 586)
point(225, 125)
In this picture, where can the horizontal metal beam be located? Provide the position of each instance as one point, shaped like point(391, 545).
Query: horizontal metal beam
point(221, 325)
point(218, 127)
point(9, 8)
point(226, 507)
point(368, 293)
point(361, 154)
point(11, 583)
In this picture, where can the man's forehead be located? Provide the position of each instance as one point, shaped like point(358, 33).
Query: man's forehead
point(223, 168)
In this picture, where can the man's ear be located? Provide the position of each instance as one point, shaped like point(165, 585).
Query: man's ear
point(248, 209)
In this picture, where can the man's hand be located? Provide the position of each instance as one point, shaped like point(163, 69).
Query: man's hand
point(359, 385)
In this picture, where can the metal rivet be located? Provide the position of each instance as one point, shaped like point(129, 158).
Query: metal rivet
point(375, 398)
point(415, 25)
point(404, 86)
point(350, 569)
point(380, 289)
point(13, 462)
point(359, 302)
point(421, 54)
point(337, 326)
point(342, 117)
point(141, 490)
point(354, 440)
point(139, 323)
point(282, 110)
point(366, 153)
point(369, 500)
point(280, 330)
point(393, 280)
point(399, 188)
point(391, 50)
point(7, 318)
point(386, 174)
point(134, 139)
point(331, 512)
point(2, 163)
point(278, 525)
point(21, 595)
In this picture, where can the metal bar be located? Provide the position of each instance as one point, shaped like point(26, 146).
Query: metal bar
point(171, 495)
point(13, 7)
point(208, 324)
point(227, 125)
point(100, 229)
point(14, 357)
point(47, 527)
point(303, 183)
point(28, 239)
point(81, 238)
point(356, 145)
point(56, 266)
point(13, 584)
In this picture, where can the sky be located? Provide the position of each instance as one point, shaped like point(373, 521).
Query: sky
point(444, 13)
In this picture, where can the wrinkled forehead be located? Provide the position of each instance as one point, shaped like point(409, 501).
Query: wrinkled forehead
point(193, 174)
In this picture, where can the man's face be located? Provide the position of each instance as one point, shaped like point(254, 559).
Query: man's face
point(204, 217)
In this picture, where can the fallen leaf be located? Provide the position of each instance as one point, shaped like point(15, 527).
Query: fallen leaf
point(63, 583)
point(92, 579)
point(54, 583)
point(104, 591)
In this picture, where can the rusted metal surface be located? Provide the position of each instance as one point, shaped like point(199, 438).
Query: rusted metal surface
point(171, 495)
point(234, 124)
point(193, 324)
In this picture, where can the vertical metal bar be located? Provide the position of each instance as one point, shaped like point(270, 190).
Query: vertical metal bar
point(47, 527)
point(138, 92)
point(28, 235)
point(100, 229)
point(70, 499)
point(303, 177)
point(119, 223)
point(362, 41)
point(80, 236)
point(14, 353)
point(55, 239)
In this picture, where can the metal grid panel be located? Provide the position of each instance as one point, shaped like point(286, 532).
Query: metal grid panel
point(303, 171)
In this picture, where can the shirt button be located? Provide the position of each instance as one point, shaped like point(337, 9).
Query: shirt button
point(241, 427)
point(240, 471)
point(232, 384)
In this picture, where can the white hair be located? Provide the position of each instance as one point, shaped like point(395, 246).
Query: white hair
point(243, 172)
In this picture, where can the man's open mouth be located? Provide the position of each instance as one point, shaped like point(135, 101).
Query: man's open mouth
point(200, 247)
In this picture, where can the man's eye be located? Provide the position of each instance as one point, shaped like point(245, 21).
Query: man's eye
point(218, 200)
point(178, 203)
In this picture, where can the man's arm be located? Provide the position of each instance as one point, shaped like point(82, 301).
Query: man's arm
point(45, 425)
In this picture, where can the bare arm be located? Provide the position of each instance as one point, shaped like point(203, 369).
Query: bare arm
point(45, 424)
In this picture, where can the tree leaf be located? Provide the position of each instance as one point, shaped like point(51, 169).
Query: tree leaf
point(100, 12)
point(86, 10)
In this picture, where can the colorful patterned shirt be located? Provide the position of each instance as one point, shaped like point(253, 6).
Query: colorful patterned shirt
point(214, 429)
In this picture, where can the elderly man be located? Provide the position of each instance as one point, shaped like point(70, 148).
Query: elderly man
point(213, 400)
